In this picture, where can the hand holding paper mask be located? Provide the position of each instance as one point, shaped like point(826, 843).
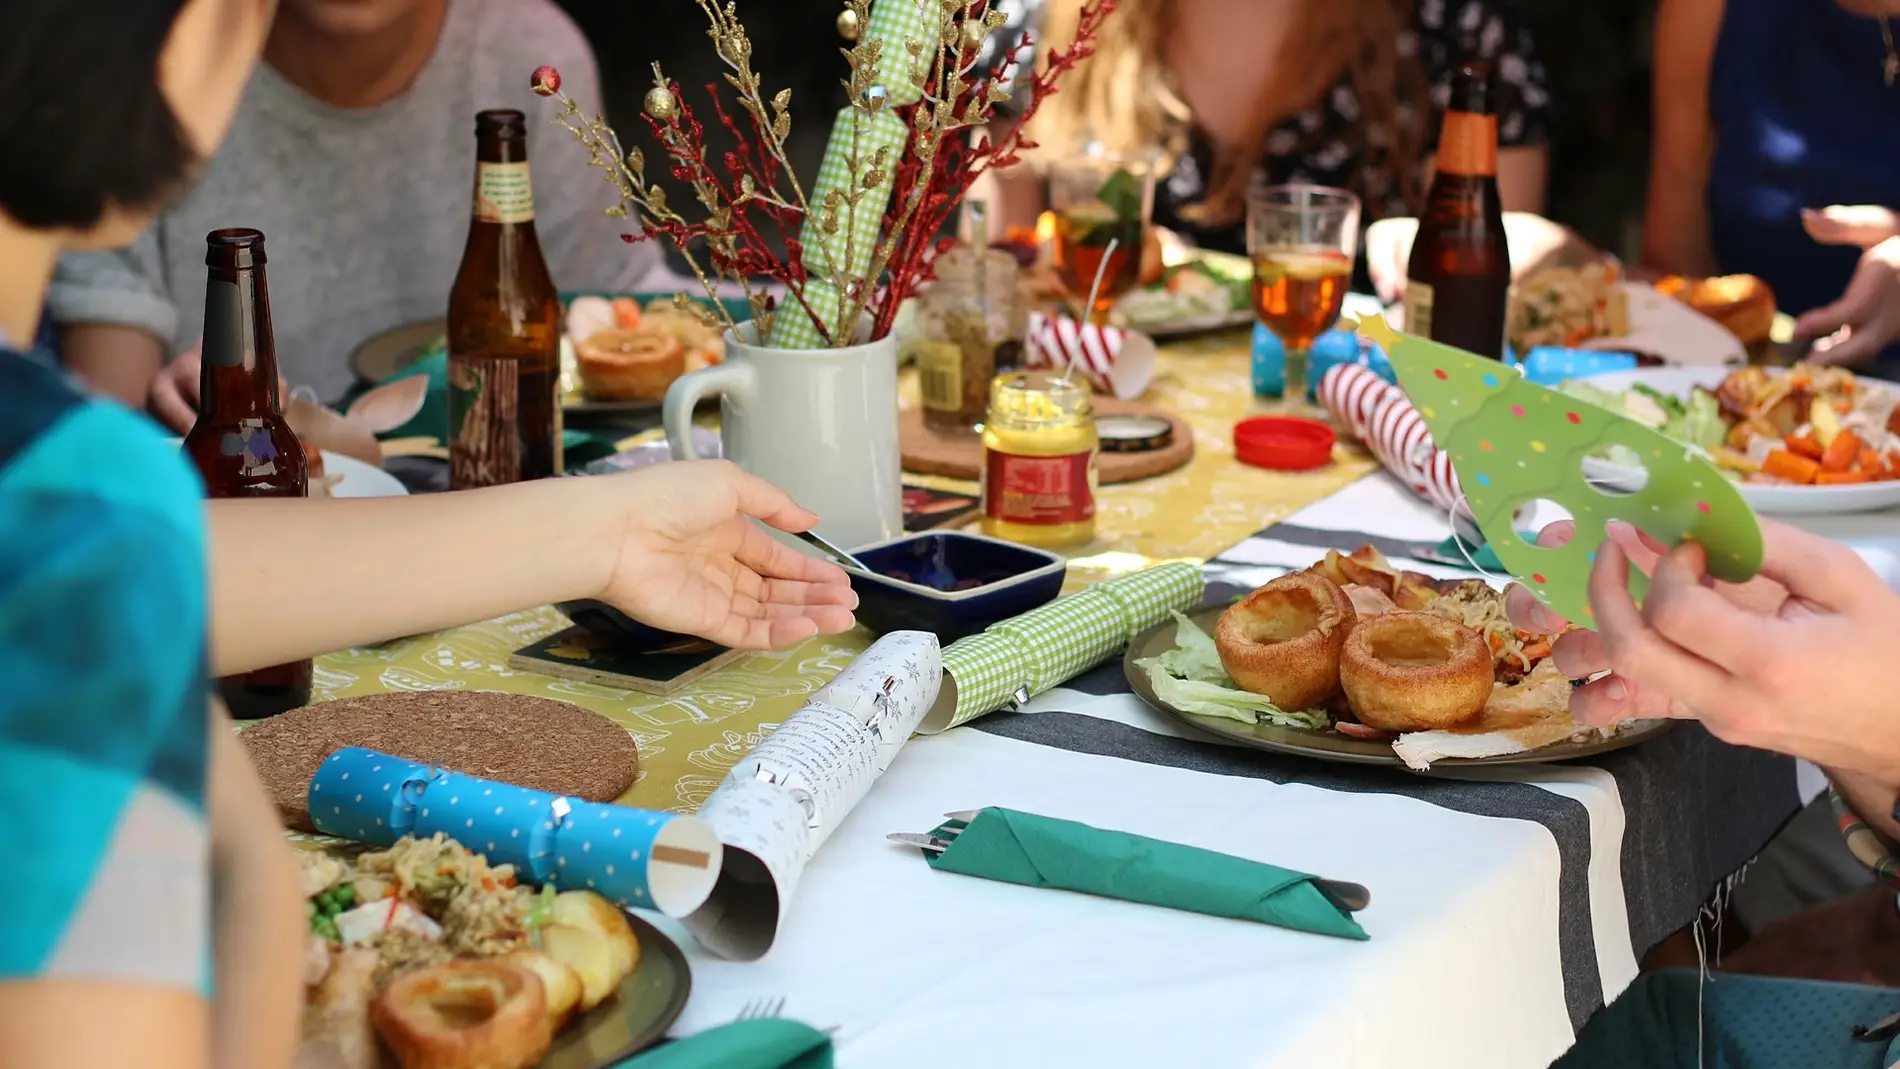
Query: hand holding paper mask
point(1793, 660)
point(1513, 443)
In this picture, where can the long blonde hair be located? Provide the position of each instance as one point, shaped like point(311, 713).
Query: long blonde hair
point(1122, 98)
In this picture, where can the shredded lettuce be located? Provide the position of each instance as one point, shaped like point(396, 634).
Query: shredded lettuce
point(1190, 678)
point(1696, 421)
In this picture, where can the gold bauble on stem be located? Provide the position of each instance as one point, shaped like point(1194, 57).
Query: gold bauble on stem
point(848, 27)
point(974, 34)
point(659, 103)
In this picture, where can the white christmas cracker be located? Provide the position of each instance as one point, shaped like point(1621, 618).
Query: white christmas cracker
point(782, 800)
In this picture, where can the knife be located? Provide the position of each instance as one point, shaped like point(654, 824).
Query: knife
point(1347, 541)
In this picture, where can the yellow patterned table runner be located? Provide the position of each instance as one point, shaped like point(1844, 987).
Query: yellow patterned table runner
point(690, 739)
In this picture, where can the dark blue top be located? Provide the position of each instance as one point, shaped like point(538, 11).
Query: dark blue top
point(1802, 119)
point(103, 716)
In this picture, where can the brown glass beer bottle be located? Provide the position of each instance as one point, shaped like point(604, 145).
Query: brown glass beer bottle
point(504, 325)
point(1459, 279)
point(241, 444)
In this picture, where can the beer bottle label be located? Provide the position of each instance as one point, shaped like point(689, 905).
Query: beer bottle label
point(1468, 144)
point(1418, 308)
point(940, 375)
point(503, 193)
point(484, 421)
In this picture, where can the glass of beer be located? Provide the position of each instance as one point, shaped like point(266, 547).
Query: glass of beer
point(1303, 240)
point(1102, 206)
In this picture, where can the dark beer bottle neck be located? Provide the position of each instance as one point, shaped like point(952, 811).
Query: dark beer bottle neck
point(238, 375)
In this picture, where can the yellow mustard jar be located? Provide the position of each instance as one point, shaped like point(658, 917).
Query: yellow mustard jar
point(1039, 447)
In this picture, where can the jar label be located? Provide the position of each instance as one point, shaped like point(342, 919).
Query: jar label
point(503, 193)
point(1039, 490)
point(1468, 145)
point(940, 375)
point(1418, 308)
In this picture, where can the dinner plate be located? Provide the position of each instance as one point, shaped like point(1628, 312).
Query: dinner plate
point(357, 479)
point(1777, 500)
point(648, 1003)
point(1330, 745)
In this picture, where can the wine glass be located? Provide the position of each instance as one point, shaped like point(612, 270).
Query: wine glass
point(1102, 206)
point(1303, 240)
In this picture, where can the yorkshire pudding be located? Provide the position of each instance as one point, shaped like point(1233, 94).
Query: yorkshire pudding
point(1414, 671)
point(629, 365)
point(1283, 639)
point(465, 1015)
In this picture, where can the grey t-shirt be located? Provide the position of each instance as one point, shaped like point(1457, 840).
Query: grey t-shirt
point(366, 211)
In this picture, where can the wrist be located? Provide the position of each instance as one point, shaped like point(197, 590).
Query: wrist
point(577, 535)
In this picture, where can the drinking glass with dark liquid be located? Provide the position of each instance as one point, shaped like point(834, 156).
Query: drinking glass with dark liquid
point(1102, 205)
point(241, 444)
point(1303, 240)
point(1458, 282)
point(504, 327)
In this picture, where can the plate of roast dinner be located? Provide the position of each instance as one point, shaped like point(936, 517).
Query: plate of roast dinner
point(424, 956)
point(1355, 660)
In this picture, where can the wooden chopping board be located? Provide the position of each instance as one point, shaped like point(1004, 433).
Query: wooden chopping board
point(960, 456)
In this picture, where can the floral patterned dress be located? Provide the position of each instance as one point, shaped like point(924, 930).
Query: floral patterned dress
point(1324, 144)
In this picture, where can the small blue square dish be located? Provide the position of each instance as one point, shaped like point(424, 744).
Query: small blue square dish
point(951, 583)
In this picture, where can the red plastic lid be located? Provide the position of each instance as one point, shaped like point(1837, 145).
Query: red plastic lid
point(1283, 443)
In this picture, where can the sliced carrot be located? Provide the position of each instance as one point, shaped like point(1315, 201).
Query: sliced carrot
point(1841, 478)
point(626, 312)
point(1537, 651)
point(1869, 461)
point(1804, 446)
point(1841, 452)
point(1785, 465)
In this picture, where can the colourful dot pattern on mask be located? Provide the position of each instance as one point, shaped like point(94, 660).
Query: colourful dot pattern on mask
point(1507, 458)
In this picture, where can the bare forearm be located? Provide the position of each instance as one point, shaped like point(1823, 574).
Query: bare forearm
point(293, 579)
point(116, 361)
point(260, 920)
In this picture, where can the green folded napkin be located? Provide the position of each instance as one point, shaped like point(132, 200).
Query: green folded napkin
point(770, 1043)
point(1481, 555)
point(1014, 847)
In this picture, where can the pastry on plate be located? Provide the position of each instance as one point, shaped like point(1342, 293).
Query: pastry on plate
point(1415, 671)
point(635, 364)
point(1283, 640)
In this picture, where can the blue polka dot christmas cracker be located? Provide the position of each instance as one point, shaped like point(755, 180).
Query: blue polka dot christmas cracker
point(1514, 443)
point(635, 857)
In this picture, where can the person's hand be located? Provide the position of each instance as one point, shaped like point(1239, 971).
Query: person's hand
point(1795, 661)
point(174, 394)
point(1389, 255)
point(1534, 242)
point(690, 559)
point(1866, 318)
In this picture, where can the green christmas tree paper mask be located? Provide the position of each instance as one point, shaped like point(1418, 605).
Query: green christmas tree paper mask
point(1513, 442)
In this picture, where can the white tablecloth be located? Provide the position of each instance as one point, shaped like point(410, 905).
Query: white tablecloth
point(1505, 907)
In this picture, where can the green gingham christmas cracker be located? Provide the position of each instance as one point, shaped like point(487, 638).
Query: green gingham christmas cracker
point(850, 247)
point(854, 132)
point(1045, 647)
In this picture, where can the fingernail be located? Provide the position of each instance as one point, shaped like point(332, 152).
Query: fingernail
point(1615, 689)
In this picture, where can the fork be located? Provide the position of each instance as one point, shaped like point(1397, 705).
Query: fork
point(766, 1009)
point(760, 1009)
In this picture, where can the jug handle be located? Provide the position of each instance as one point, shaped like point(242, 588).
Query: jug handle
point(676, 414)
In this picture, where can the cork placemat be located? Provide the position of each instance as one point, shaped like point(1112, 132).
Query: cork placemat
point(960, 456)
point(540, 743)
